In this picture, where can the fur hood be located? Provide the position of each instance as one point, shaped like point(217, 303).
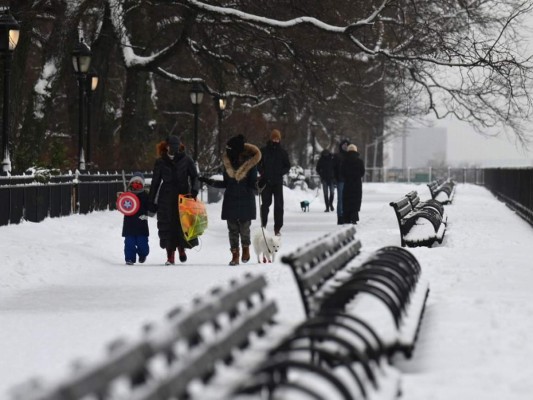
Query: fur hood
point(248, 159)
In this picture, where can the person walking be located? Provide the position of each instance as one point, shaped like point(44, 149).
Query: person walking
point(324, 168)
point(135, 227)
point(274, 164)
point(338, 159)
point(238, 206)
point(174, 174)
point(352, 171)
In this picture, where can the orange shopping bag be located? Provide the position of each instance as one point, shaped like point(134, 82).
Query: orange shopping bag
point(193, 216)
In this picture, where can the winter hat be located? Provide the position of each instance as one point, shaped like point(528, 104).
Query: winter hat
point(174, 143)
point(275, 135)
point(136, 183)
point(343, 145)
point(235, 146)
point(352, 147)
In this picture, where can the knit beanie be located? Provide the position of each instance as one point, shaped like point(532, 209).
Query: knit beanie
point(235, 146)
point(352, 147)
point(275, 135)
point(174, 143)
point(136, 178)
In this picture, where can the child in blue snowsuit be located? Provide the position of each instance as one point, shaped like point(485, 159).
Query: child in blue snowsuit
point(135, 227)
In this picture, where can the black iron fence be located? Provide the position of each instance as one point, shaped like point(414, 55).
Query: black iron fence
point(35, 197)
point(514, 186)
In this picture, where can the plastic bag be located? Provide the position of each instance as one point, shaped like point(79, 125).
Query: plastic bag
point(193, 216)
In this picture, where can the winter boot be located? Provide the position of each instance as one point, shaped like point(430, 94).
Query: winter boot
point(170, 257)
point(235, 257)
point(340, 220)
point(183, 255)
point(245, 254)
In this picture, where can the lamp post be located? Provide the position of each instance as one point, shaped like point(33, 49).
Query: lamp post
point(81, 60)
point(9, 36)
point(197, 95)
point(91, 85)
point(220, 105)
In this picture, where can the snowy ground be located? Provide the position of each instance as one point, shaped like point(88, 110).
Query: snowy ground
point(65, 291)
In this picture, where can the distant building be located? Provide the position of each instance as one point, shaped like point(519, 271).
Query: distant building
point(420, 147)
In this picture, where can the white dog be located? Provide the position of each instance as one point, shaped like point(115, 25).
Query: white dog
point(265, 246)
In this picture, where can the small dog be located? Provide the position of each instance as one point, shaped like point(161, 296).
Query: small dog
point(265, 246)
point(305, 205)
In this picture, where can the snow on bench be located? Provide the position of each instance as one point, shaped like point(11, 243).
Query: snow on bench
point(331, 281)
point(223, 346)
point(442, 191)
point(420, 227)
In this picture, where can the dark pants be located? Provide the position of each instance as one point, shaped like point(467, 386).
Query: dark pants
point(135, 245)
point(236, 229)
point(268, 192)
point(329, 194)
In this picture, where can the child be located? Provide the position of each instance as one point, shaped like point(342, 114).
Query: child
point(135, 227)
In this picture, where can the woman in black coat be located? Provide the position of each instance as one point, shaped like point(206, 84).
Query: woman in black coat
point(352, 170)
point(238, 207)
point(174, 174)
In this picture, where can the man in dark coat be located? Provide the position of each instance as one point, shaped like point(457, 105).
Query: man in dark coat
point(338, 158)
point(352, 170)
point(174, 174)
point(324, 168)
point(238, 207)
point(274, 164)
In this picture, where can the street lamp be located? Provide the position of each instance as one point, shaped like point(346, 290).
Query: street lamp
point(91, 83)
point(220, 105)
point(81, 60)
point(197, 95)
point(9, 37)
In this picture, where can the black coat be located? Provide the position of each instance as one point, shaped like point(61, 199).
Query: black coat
point(274, 163)
point(137, 224)
point(338, 159)
point(170, 179)
point(352, 170)
point(240, 183)
point(325, 167)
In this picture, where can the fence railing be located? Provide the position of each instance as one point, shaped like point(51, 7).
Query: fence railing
point(514, 186)
point(424, 175)
point(33, 198)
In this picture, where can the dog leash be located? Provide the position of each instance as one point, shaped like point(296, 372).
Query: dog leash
point(262, 228)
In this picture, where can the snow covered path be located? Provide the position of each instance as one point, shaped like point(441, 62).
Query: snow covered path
point(65, 291)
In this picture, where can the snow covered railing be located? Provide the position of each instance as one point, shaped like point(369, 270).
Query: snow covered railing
point(332, 284)
point(225, 346)
point(442, 191)
point(420, 227)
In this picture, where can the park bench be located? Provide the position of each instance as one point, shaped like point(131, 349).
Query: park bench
point(417, 204)
point(420, 227)
point(225, 346)
point(442, 191)
point(385, 293)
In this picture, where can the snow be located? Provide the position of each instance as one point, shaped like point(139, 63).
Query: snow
point(65, 292)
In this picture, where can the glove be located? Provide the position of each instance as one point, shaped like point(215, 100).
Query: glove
point(152, 208)
point(194, 193)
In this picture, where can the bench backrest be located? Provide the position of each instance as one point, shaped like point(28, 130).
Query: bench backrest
point(413, 198)
point(315, 264)
point(185, 343)
point(401, 207)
